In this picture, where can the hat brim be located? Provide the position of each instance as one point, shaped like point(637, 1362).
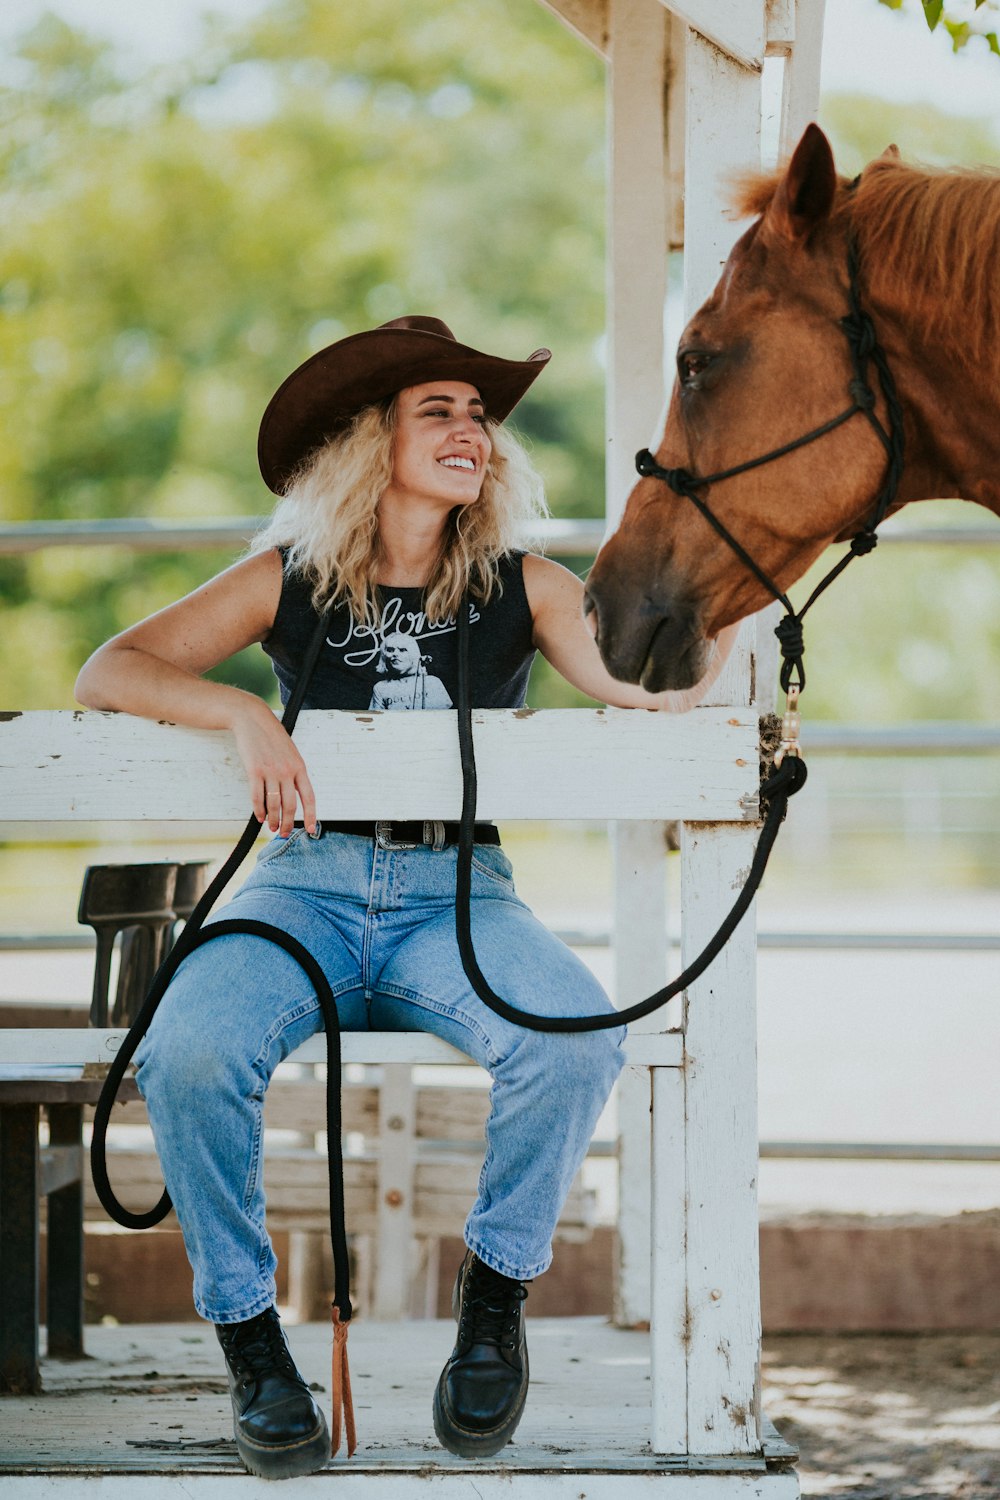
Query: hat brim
point(320, 397)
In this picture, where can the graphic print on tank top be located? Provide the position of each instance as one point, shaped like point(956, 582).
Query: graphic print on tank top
point(407, 683)
point(404, 661)
point(395, 649)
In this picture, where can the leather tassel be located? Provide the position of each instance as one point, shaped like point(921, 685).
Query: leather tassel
point(342, 1399)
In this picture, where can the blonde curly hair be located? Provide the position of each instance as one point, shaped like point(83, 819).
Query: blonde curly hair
point(328, 518)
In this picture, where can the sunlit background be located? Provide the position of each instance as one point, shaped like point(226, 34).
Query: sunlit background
point(194, 202)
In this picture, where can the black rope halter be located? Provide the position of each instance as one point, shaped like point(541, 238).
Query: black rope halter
point(865, 350)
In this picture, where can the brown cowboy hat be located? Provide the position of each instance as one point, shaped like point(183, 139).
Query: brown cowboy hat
point(321, 396)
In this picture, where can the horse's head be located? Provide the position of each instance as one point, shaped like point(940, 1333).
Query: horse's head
point(761, 363)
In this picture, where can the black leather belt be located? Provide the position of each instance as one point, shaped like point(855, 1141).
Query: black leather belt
point(387, 835)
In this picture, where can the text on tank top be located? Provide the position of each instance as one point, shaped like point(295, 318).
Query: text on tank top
point(405, 662)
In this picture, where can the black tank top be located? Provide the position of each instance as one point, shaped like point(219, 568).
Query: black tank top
point(406, 662)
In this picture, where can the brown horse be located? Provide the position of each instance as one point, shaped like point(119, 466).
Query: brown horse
point(765, 360)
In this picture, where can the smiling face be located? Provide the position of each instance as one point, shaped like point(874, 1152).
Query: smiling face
point(441, 448)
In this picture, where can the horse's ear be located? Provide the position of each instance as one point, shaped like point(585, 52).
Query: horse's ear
point(805, 194)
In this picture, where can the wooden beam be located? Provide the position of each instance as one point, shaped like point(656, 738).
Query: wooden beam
point(722, 137)
point(64, 1050)
point(780, 26)
point(586, 19)
point(636, 293)
point(557, 763)
point(737, 27)
point(800, 90)
point(721, 1230)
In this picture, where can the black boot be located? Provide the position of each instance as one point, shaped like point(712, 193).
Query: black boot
point(482, 1390)
point(280, 1431)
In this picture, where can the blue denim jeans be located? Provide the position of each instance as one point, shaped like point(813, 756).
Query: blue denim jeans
point(381, 924)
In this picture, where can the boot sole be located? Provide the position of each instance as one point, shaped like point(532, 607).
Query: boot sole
point(467, 1442)
point(288, 1460)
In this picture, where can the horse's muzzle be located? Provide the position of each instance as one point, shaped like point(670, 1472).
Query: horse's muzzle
point(645, 635)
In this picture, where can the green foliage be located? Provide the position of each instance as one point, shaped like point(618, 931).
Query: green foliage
point(860, 128)
point(175, 243)
point(959, 30)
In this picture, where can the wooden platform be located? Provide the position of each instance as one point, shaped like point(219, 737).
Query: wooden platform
point(148, 1413)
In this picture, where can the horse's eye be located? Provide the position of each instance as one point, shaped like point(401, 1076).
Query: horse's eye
point(692, 363)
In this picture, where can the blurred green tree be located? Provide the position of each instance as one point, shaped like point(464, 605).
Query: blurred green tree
point(175, 243)
point(175, 240)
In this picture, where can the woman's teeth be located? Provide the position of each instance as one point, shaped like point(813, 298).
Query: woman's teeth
point(458, 463)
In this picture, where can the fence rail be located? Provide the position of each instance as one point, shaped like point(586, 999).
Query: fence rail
point(559, 537)
point(600, 937)
point(581, 538)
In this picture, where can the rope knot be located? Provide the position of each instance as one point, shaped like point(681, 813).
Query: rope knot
point(860, 332)
point(791, 639)
point(681, 481)
point(863, 395)
point(791, 636)
point(864, 542)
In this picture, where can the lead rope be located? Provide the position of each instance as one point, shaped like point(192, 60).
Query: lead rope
point(789, 773)
point(784, 782)
point(191, 938)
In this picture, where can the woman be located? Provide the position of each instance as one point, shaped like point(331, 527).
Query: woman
point(402, 494)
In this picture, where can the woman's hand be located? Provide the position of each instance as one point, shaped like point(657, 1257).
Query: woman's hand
point(276, 772)
point(156, 669)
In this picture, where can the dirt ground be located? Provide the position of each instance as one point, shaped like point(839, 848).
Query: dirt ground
point(897, 1417)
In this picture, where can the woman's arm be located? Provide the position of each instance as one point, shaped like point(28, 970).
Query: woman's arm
point(555, 598)
point(154, 669)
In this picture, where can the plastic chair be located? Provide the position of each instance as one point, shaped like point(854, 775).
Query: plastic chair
point(135, 899)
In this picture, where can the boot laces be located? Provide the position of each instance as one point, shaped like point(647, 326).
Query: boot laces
point(490, 1307)
point(261, 1349)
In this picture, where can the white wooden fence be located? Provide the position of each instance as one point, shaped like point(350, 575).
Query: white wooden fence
point(694, 1064)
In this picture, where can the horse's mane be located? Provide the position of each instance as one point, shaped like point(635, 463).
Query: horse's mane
point(933, 236)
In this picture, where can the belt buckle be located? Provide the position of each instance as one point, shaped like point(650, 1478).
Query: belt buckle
point(385, 840)
point(434, 834)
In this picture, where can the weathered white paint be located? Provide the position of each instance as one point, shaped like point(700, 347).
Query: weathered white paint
point(721, 1152)
point(737, 27)
point(637, 238)
point(389, 1484)
point(722, 136)
point(560, 763)
point(766, 658)
point(584, 1424)
point(49, 1048)
point(677, 34)
point(586, 19)
point(668, 1327)
point(779, 26)
point(640, 956)
point(395, 1208)
point(735, 683)
point(800, 89)
point(722, 124)
point(636, 292)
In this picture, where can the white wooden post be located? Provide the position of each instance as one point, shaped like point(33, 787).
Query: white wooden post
point(640, 938)
point(722, 1321)
point(636, 293)
point(795, 34)
point(800, 86)
point(394, 1258)
point(723, 1275)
